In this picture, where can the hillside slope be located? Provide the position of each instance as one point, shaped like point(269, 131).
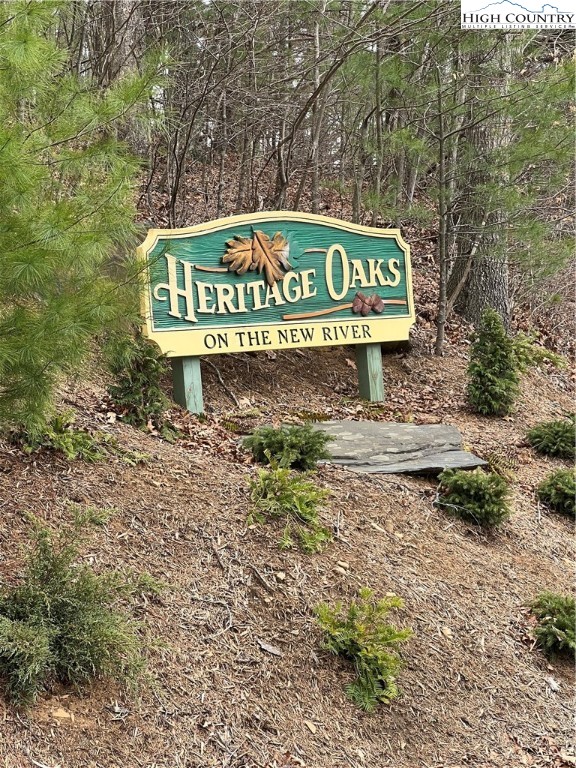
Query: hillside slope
point(476, 691)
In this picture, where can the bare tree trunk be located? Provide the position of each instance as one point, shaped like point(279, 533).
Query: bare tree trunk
point(242, 173)
point(442, 212)
point(281, 170)
point(223, 149)
point(360, 162)
point(487, 282)
point(317, 111)
point(379, 148)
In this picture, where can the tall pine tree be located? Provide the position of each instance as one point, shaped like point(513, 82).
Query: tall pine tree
point(66, 208)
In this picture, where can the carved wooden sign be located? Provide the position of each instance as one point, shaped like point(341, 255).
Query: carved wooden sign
point(274, 280)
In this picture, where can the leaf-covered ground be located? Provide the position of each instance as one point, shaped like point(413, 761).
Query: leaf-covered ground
point(476, 692)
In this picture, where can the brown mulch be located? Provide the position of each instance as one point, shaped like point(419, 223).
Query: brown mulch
point(476, 692)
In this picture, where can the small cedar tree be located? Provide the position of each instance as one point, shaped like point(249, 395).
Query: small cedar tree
point(558, 491)
point(61, 621)
point(362, 634)
point(492, 371)
point(296, 446)
point(555, 630)
point(554, 438)
point(479, 497)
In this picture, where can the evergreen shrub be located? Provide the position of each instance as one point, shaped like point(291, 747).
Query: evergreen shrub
point(312, 416)
point(554, 438)
point(503, 462)
point(61, 623)
point(299, 447)
point(528, 353)
point(558, 491)
point(138, 368)
point(362, 634)
point(492, 371)
point(478, 497)
point(61, 436)
point(555, 630)
point(277, 493)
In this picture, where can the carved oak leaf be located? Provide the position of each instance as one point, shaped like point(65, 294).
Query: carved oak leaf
point(239, 254)
point(270, 256)
point(261, 253)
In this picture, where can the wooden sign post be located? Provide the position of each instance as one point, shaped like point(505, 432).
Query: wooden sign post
point(275, 280)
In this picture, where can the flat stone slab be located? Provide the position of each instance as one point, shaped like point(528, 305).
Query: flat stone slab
point(390, 448)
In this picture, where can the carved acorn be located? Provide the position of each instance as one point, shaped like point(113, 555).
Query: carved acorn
point(363, 305)
point(358, 303)
point(378, 305)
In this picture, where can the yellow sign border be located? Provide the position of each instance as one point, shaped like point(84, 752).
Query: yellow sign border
point(186, 342)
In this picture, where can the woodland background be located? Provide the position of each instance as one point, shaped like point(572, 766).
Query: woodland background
point(385, 111)
point(171, 113)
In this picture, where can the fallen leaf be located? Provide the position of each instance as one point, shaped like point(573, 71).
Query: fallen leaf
point(269, 648)
point(377, 527)
point(62, 714)
point(554, 685)
point(118, 712)
point(310, 725)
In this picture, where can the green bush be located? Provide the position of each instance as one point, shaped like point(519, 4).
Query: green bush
point(492, 371)
point(60, 623)
point(361, 633)
point(276, 493)
point(558, 491)
point(26, 658)
point(528, 353)
point(554, 438)
point(299, 447)
point(311, 416)
point(478, 496)
point(555, 631)
point(61, 436)
point(139, 367)
point(503, 462)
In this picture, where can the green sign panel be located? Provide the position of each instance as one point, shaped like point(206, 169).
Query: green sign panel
point(275, 280)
